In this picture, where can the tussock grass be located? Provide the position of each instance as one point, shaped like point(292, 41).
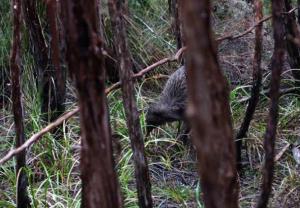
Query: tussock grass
point(53, 165)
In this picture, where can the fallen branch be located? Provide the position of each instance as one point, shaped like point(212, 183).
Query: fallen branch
point(231, 37)
point(250, 29)
point(34, 138)
point(37, 136)
point(149, 68)
point(284, 149)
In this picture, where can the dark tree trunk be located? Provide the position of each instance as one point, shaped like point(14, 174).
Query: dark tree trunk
point(208, 110)
point(60, 75)
point(292, 49)
point(100, 20)
point(22, 196)
point(270, 135)
point(132, 115)
point(45, 74)
point(176, 23)
point(38, 44)
point(39, 50)
point(4, 86)
point(257, 76)
point(111, 64)
point(86, 64)
point(298, 17)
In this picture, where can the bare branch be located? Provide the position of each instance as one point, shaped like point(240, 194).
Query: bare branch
point(37, 136)
point(141, 73)
point(250, 29)
point(34, 138)
point(231, 37)
point(283, 150)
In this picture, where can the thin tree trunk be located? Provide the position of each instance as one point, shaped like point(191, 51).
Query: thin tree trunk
point(133, 122)
point(176, 28)
point(38, 44)
point(209, 111)
point(60, 76)
point(22, 195)
point(270, 135)
point(44, 72)
point(298, 17)
point(292, 49)
point(86, 64)
point(256, 76)
point(110, 60)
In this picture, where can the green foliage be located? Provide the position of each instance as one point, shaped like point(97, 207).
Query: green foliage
point(267, 6)
point(5, 31)
point(5, 42)
point(149, 33)
point(53, 165)
point(145, 4)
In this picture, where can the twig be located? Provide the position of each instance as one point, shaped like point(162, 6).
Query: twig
point(149, 68)
point(284, 149)
point(290, 11)
point(232, 36)
point(34, 138)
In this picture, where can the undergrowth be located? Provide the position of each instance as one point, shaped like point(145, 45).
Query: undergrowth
point(53, 165)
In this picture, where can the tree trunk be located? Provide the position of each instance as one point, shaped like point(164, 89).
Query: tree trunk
point(292, 49)
point(208, 110)
point(22, 196)
point(133, 122)
point(257, 76)
point(175, 20)
point(38, 44)
point(60, 75)
point(86, 64)
point(298, 17)
point(47, 82)
point(270, 135)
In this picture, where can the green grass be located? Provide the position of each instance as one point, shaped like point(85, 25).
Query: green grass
point(53, 165)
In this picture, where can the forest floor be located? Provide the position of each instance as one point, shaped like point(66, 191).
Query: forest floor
point(53, 165)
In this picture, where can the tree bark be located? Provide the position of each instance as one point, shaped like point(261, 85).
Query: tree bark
point(256, 76)
point(270, 135)
point(175, 20)
point(208, 110)
point(38, 44)
point(292, 49)
point(60, 75)
point(298, 16)
point(22, 195)
point(86, 64)
point(44, 72)
point(133, 122)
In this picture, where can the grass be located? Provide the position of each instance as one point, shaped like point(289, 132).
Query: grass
point(53, 166)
